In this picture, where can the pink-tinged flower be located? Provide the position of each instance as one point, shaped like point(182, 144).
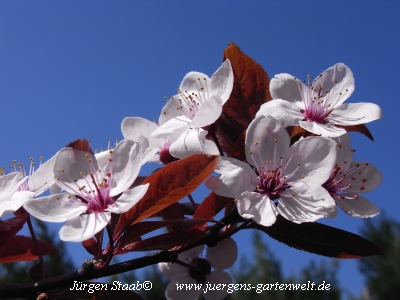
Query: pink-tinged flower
point(90, 190)
point(177, 145)
point(318, 107)
point(199, 101)
point(8, 187)
point(36, 182)
point(285, 179)
point(202, 279)
point(349, 179)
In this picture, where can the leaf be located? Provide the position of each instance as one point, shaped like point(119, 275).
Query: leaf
point(136, 230)
point(36, 272)
point(168, 185)
point(250, 91)
point(100, 291)
point(11, 226)
point(211, 206)
point(361, 128)
point(91, 246)
point(82, 145)
point(166, 241)
point(22, 248)
point(320, 239)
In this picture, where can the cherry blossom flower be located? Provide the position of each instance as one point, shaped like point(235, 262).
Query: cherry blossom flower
point(199, 100)
point(290, 175)
point(349, 179)
point(220, 257)
point(36, 182)
point(318, 107)
point(90, 190)
point(8, 187)
point(177, 145)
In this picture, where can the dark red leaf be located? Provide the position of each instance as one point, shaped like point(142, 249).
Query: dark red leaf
point(250, 91)
point(21, 248)
point(168, 185)
point(166, 241)
point(211, 206)
point(11, 226)
point(320, 239)
point(136, 230)
point(82, 145)
point(362, 128)
point(36, 272)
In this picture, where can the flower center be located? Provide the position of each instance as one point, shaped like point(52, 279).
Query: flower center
point(165, 155)
point(201, 268)
point(339, 181)
point(316, 107)
point(191, 101)
point(272, 183)
point(96, 192)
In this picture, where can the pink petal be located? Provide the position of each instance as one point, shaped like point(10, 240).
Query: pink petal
point(223, 255)
point(355, 113)
point(209, 112)
point(173, 293)
point(216, 286)
point(359, 208)
point(285, 86)
point(257, 207)
point(285, 112)
point(222, 81)
point(128, 199)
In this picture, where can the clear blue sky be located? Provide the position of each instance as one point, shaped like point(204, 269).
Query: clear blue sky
point(75, 69)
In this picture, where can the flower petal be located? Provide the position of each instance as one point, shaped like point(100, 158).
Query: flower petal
point(236, 178)
point(355, 113)
point(209, 112)
point(306, 203)
point(55, 208)
point(133, 125)
point(328, 129)
point(359, 208)
point(84, 227)
point(9, 184)
point(285, 112)
point(125, 166)
point(192, 142)
point(266, 138)
point(367, 177)
point(216, 279)
point(337, 79)
point(128, 199)
point(170, 110)
point(285, 86)
point(68, 166)
point(222, 81)
point(17, 200)
point(257, 207)
point(43, 178)
point(170, 126)
point(316, 156)
point(223, 255)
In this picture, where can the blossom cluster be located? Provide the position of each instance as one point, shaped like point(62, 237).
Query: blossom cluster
point(301, 177)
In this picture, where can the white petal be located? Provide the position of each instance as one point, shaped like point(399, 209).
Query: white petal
point(9, 184)
point(170, 110)
point(68, 166)
point(17, 200)
point(133, 125)
point(355, 113)
point(83, 227)
point(328, 129)
point(337, 79)
point(367, 172)
point(285, 86)
point(236, 178)
point(223, 255)
point(128, 199)
point(172, 293)
point(193, 80)
point(222, 81)
point(257, 207)
point(285, 112)
point(217, 279)
point(343, 152)
point(55, 208)
point(192, 142)
point(266, 138)
point(170, 126)
point(209, 112)
point(125, 166)
point(43, 178)
point(359, 208)
point(308, 204)
point(317, 157)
